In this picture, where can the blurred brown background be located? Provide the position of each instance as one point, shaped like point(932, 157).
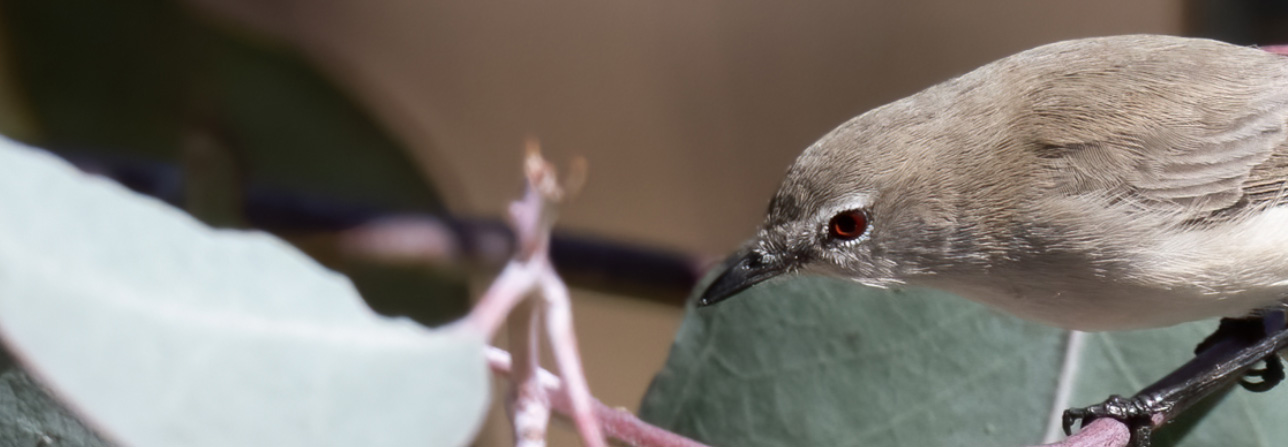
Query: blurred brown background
point(688, 112)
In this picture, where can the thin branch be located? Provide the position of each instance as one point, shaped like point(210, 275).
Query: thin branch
point(1103, 432)
point(618, 424)
point(513, 284)
point(1281, 50)
point(563, 343)
point(529, 272)
point(529, 400)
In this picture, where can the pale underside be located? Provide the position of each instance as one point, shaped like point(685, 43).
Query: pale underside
point(1210, 239)
point(1225, 271)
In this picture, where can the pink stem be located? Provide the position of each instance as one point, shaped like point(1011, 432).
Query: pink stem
point(1103, 432)
point(510, 287)
point(1281, 50)
point(532, 218)
point(563, 344)
point(529, 400)
point(617, 423)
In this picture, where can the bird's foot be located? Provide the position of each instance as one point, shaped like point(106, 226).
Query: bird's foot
point(1224, 358)
point(1135, 412)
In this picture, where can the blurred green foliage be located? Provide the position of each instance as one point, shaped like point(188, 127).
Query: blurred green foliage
point(150, 80)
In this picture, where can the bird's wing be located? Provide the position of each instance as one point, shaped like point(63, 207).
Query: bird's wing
point(1267, 184)
point(1214, 169)
point(1203, 138)
point(1197, 171)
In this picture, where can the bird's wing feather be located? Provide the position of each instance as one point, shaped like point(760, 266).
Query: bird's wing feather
point(1206, 168)
point(1267, 184)
point(1217, 150)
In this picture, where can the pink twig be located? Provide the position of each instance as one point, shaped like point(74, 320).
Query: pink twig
point(618, 424)
point(563, 344)
point(1103, 432)
point(527, 273)
point(529, 400)
point(1281, 50)
point(514, 283)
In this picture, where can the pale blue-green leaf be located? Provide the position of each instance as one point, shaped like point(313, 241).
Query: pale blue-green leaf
point(819, 362)
point(162, 332)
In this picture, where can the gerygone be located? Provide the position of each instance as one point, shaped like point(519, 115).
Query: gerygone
point(1094, 184)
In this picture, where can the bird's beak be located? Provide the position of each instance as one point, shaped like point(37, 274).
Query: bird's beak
point(743, 269)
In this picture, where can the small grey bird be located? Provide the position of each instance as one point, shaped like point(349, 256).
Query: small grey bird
point(1095, 184)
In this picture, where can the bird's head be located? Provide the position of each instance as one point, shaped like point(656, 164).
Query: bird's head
point(861, 204)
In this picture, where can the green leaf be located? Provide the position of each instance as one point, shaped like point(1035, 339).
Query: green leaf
point(820, 362)
point(163, 332)
point(132, 77)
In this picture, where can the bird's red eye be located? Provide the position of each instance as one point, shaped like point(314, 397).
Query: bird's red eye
point(848, 225)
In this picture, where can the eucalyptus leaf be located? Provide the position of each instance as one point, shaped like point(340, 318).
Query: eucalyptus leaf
point(162, 332)
point(821, 362)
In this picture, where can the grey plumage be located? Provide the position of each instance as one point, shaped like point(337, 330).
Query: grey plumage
point(1101, 183)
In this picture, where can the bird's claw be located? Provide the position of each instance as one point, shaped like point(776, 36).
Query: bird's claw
point(1136, 414)
point(1270, 376)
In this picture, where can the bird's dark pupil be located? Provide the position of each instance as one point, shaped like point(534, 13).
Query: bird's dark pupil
point(848, 225)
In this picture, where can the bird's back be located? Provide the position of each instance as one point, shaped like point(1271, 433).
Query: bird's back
point(1190, 125)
